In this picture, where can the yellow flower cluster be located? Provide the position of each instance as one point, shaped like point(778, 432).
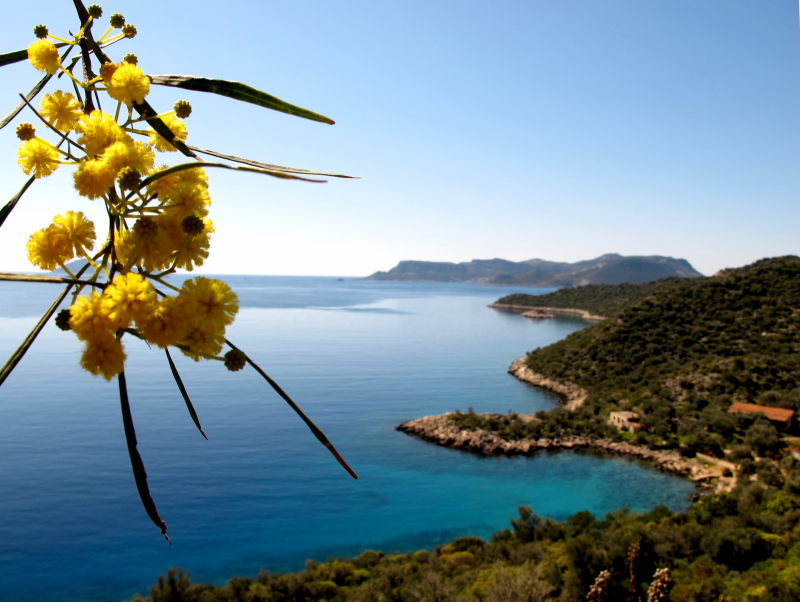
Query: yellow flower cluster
point(194, 320)
point(159, 220)
point(70, 235)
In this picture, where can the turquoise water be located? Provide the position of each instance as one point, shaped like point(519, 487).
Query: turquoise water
point(360, 357)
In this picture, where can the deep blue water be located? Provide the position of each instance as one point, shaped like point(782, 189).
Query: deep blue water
point(360, 357)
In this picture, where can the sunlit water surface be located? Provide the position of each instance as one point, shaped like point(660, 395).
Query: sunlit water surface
point(360, 357)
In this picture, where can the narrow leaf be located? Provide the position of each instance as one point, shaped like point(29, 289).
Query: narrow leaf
point(9, 206)
point(269, 166)
point(313, 427)
point(237, 91)
point(29, 96)
point(34, 91)
point(9, 58)
point(276, 174)
point(23, 348)
point(13, 57)
point(182, 389)
point(139, 473)
point(47, 279)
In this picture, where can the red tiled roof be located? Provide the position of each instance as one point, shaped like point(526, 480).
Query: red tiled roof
point(776, 414)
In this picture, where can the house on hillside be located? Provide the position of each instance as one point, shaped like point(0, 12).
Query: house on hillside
point(781, 418)
point(625, 421)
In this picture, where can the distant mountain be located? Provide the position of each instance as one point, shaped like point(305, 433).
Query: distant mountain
point(611, 268)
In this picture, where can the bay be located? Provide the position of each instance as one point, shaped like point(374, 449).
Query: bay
point(360, 357)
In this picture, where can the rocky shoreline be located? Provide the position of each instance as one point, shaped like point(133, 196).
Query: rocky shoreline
point(442, 431)
point(570, 394)
point(541, 312)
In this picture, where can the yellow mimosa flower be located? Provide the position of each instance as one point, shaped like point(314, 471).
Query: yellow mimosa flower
point(94, 177)
point(178, 128)
point(193, 251)
point(166, 324)
point(128, 84)
point(210, 303)
point(62, 110)
point(162, 186)
point(78, 229)
point(49, 247)
point(88, 319)
point(104, 357)
point(37, 156)
point(187, 199)
point(43, 55)
point(99, 130)
point(202, 342)
point(128, 298)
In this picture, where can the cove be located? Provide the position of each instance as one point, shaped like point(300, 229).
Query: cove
point(359, 357)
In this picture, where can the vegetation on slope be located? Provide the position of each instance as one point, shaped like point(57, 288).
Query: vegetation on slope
point(679, 358)
point(739, 546)
point(599, 299)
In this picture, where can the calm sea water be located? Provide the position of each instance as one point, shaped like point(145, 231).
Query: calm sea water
point(360, 357)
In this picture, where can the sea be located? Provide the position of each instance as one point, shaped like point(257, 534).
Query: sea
point(360, 357)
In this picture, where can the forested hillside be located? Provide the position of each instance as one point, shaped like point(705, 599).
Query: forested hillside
point(598, 299)
point(682, 356)
point(679, 358)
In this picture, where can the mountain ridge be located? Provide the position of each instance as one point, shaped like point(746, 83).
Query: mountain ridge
point(610, 268)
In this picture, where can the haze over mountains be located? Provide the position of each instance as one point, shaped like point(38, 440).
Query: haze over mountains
point(610, 268)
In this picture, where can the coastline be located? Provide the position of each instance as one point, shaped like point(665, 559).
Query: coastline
point(570, 394)
point(704, 471)
point(440, 430)
point(541, 311)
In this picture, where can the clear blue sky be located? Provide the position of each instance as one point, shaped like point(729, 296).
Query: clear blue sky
point(516, 129)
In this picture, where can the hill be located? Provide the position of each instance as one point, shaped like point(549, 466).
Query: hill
point(680, 356)
point(597, 299)
point(606, 269)
point(683, 354)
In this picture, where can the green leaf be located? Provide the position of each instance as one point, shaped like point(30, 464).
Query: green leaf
point(9, 206)
point(13, 57)
point(9, 58)
point(23, 348)
point(182, 389)
point(139, 473)
point(276, 174)
point(47, 279)
point(268, 166)
point(237, 91)
point(36, 89)
point(312, 427)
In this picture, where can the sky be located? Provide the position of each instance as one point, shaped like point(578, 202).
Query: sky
point(558, 130)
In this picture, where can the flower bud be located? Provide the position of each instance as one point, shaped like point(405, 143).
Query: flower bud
point(131, 58)
point(129, 31)
point(95, 12)
point(192, 225)
point(40, 31)
point(145, 227)
point(62, 319)
point(25, 131)
point(235, 360)
point(107, 71)
point(129, 178)
point(183, 109)
point(117, 20)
